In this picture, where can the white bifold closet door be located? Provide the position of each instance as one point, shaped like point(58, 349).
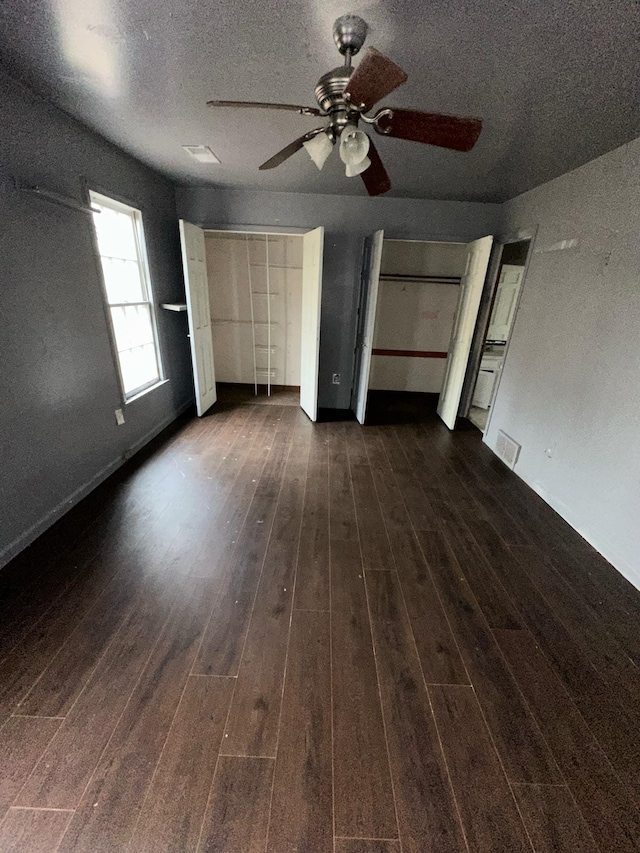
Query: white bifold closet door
point(197, 292)
point(313, 242)
point(371, 263)
point(471, 288)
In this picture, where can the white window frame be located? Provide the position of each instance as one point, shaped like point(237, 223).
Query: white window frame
point(102, 200)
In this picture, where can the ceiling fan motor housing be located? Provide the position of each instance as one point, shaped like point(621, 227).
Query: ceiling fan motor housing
point(330, 97)
point(330, 89)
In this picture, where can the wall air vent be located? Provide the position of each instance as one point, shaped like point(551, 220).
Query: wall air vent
point(507, 449)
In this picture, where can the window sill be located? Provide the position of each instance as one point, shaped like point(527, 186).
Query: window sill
point(145, 391)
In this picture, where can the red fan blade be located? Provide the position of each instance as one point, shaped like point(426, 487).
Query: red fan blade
point(305, 111)
point(375, 78)
point(290, 149)
point(454, 132)
point(375, 178)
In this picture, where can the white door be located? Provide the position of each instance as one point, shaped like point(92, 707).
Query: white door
point(312, 246)
point(483, 392)
point(463, 328)
point(194, 265)
point(504, 306)
point(370, 280)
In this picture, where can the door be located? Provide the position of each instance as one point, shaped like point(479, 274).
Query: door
point(470, 292)
point(372, 258)
point(312, 246)
point(483, 391)
point(196, 285)
point(504, 306)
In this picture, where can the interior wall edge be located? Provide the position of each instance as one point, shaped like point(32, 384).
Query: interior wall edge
point(49, 519)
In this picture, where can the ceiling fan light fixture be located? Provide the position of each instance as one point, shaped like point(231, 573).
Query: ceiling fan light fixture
point(318, 148)
point(354, 146)
point(357, 168)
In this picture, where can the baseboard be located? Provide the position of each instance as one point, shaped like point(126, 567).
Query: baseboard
point(25, 539)
point(603, 548)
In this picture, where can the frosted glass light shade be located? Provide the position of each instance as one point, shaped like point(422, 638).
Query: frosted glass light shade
point(318, 148)
point(354, 146)
point(357, 168)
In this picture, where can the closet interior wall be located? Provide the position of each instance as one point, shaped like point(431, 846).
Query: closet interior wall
point(255, 294)
point(415, 314)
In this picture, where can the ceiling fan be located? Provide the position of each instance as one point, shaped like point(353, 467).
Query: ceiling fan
point(345, 95)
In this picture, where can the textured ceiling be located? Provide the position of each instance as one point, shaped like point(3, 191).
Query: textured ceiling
point(556, 82)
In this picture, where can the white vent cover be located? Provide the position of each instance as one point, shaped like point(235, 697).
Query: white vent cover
point(507, 449)
point(202, 153)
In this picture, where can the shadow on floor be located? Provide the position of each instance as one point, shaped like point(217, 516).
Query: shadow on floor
point(404, 407)
point(239, 395)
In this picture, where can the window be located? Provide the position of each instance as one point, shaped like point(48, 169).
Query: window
point(128, 293)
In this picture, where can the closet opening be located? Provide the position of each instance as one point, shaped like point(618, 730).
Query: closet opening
point(417, 310)
point(253, 301)
point(418, 292)
point(496, 320)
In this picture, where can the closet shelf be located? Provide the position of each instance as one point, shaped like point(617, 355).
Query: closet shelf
point(263, 293)
point(174, 306)
point(230, 320)
point(275, 266)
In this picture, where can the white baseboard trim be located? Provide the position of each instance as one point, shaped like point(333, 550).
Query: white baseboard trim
point(607, 550)
point(25, 539)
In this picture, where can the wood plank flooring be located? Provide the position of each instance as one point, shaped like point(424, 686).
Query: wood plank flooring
point(268, 636)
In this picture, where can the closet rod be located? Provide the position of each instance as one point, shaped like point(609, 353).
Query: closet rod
point(432, 279)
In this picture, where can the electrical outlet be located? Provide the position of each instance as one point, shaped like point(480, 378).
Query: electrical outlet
point(336, 379)
point(119, 417)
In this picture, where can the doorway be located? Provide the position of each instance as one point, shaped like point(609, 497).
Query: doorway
point(418, 307)
point(495, 325)
point(253, 300)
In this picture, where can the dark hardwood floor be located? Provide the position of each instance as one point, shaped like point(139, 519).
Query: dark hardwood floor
point(268, 636)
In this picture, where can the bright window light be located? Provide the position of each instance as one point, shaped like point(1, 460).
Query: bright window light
point(128, 293)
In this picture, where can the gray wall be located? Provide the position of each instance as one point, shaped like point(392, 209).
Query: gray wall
point(346, 221)
point(58, 381)
point(571, 382)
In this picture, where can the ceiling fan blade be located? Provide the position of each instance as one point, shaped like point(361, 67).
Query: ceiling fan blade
point(305, 111)
point(375, 178)
point(457, 133)
point(290, 149)
point(375, 78)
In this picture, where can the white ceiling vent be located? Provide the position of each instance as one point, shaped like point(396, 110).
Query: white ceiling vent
point(202, 153)
point(507, 449)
